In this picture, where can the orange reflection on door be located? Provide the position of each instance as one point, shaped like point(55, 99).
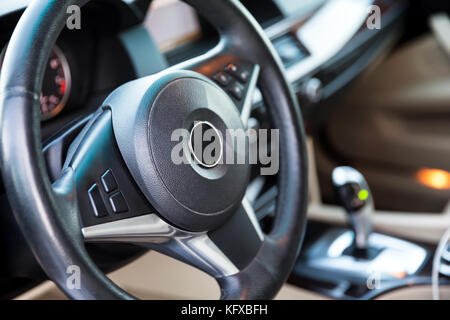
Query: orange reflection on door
point(434, 178)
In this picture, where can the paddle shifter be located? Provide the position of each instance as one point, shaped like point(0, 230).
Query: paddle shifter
point(354, 195)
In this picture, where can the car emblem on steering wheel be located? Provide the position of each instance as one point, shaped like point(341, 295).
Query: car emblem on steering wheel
point(206, 144)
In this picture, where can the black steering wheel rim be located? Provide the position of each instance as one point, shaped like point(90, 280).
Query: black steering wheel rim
point(49, 219)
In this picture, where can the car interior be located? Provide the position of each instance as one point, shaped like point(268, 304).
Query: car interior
point(92, 91)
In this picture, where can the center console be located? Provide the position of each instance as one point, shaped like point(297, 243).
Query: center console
point(355, 262)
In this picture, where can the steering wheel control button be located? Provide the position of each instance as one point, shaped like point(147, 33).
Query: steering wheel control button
point(109, 182)
point(223, 78)
point(238, 72)
point(118, 203)
point(98, 206)
point(237, 90)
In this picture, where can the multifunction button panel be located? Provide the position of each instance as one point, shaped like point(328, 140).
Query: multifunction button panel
point(116, 201)
point(106, 190)
point(234, 77)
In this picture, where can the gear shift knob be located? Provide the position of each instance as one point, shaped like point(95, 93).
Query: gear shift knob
point(356, 198)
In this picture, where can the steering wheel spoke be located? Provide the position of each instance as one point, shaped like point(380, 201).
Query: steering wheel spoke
point(105, 190)
point(220, 253)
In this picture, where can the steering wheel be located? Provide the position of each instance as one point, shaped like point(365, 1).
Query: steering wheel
point(119, 184)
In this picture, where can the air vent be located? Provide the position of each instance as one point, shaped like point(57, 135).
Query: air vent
point(290, 50)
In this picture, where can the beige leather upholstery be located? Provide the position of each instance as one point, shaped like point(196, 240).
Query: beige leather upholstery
point(155, 276)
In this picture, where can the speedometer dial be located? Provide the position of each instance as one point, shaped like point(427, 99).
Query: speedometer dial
point(56, 86)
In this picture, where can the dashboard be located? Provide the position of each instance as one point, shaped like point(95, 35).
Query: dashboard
point(69, 83)
point(87, 64)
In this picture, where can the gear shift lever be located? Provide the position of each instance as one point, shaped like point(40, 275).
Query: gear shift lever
point(358, 258)
point(355, 196)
